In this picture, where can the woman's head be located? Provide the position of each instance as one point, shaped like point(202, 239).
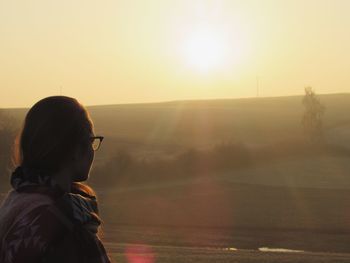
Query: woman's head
point(56, 133)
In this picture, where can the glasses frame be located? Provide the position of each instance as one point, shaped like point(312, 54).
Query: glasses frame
point(93, 138)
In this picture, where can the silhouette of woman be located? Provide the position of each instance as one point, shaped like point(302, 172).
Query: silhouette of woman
point(49, 215)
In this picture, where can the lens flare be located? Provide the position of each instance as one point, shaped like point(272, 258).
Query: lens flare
point(139, 254)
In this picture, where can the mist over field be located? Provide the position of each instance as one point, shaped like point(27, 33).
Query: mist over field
point(217, 174)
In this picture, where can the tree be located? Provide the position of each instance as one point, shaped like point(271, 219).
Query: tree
point(312, 120)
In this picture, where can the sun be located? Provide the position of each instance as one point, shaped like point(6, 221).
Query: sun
point(220, 49)
point(205, 50)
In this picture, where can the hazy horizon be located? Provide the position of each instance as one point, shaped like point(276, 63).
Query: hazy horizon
point(182, 100)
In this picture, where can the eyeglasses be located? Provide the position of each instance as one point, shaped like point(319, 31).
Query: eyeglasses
point(96, 142)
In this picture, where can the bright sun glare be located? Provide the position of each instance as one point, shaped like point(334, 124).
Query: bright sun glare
point(205, 50)
point(210, 49)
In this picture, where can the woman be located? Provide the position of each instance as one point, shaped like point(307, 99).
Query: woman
point(49, 216)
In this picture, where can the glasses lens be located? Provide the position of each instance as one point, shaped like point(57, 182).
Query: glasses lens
point(96, 143)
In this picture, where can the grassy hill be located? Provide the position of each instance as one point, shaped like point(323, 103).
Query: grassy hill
point(165, 128)
point(152, 130)
point(296, 197)
point(203, 122)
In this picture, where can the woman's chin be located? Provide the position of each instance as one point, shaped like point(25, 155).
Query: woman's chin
point(81, 177)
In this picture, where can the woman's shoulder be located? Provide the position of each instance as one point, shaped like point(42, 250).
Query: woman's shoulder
point(17, 204)
point(25, 198)
point(29, 234)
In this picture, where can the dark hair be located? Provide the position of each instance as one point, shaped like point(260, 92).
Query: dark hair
point(52, 129)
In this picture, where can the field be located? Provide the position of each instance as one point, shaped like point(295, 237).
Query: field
point(147, 254)
point(287, 197)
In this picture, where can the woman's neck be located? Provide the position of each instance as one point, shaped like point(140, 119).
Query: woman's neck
point(64, 179)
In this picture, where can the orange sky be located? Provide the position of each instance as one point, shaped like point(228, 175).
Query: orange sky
point(104, 52)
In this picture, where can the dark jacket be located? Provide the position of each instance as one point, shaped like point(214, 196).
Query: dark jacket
point(36, 229)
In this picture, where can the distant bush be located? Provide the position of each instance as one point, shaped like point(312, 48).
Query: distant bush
point(228, 155)
point(124, 168)
point(114, 169)
point(189, 160)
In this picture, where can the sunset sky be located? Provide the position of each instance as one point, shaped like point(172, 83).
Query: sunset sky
point(127, 51)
